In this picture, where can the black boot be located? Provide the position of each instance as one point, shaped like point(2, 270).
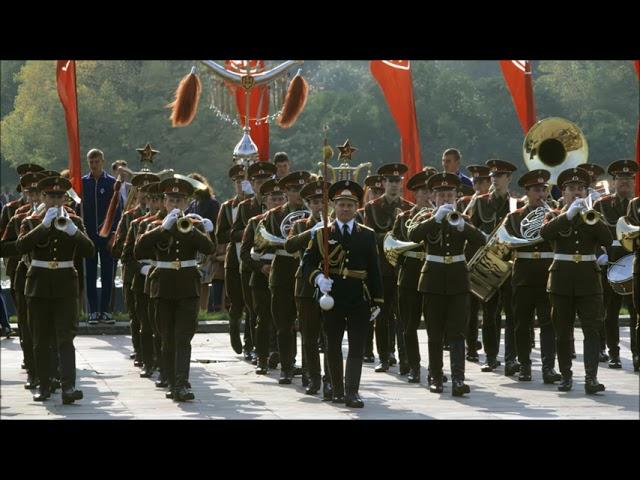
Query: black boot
point(511, 368)
point(392, 359)
point(263, 367)
point(314, 385)
point(603, 357)
point(285, 376)
point(353, 372)
point(614, 362)
point(414, 375)
point(472, 356)
point(183, 394)
point(368, 358)
point(70, 395)
point(147, 372)
point(32, 382)
point(566, 383)
point(591, 385)
point(525, 373)
point(550, 376)
point(404, 368)
point(327, 389)
point(435, 384)
point(490, 365)
point(42, 395)
point(459, 388)
point(383, 366)
point(274, 360)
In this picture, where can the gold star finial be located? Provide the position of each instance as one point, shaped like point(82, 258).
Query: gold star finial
point(346, 150)
point(146, 154)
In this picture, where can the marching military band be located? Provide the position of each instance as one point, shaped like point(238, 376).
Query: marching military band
point(385, 262)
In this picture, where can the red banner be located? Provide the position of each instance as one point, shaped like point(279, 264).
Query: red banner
point(517, 75)
point(258, 104)
point(394, 78)
point(66, 80)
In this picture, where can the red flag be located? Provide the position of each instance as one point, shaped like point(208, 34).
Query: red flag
point(66, 79)
point(517, 75)
point(637, 65)
point(258, 105)
point(394, 78)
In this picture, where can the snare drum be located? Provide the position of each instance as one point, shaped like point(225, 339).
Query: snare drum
point(620, 275)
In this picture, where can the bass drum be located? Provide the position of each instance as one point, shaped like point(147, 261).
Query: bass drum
point(620, 275)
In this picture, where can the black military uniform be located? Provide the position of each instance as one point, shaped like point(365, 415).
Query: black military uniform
point(307, 306)
point(282, 276)
point(408, 269)
point(254, 260)
point(175, 283)
point(232, 281)
point(575, 283)
point(612, 207)
point(357, 281)
point(487, 213)
point(374, 183)
point(120, 237)
point(52, 288)
point(379, 216)
point(248, 209)
point(444, 283)
point(529, 280)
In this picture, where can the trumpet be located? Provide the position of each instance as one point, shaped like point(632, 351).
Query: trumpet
point(588, 214)
point(62, 220)
point(184, 224)
point(454, 218)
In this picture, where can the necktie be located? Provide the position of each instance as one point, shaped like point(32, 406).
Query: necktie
point(345, 233)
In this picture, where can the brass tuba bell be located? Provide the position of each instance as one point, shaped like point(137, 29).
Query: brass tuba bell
point(393, 248)
point(627, 233)
point(554, 144)
point(264, 239)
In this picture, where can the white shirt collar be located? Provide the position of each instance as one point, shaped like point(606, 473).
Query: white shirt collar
point(350, 223)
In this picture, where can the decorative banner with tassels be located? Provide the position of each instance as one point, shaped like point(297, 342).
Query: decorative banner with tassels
point(248, 81)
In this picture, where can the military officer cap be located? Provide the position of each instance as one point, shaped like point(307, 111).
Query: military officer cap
point(497, 167)
point(534, 177)
point(54, 185)
point(152, 189)
point(346, 189)
point(271, 187)
point(443, 181)
point(30, 180)
point(313, 189)
point(237, 171)
point(27, 168)
point(295, 179)
point(593, 170)
point(419, 180)
point(374, 181)
point(176, 187)
point(144, 178)
point(393, 170)
point(430, 170)
point(261, 170)
point(623, 168)
point(49, 173)
point(573, 175)
point(465, 190)
point(478, 172)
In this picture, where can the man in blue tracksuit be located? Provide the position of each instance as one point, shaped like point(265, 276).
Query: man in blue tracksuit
point(97, 190)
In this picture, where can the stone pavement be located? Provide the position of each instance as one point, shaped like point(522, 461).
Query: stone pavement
point(226, 387)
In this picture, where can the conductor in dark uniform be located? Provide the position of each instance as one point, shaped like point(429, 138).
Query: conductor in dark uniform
point(354, 281)
point(575, 283)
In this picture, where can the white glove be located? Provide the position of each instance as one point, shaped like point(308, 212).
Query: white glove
point(170, 219)
point(71, 228)
point(442, 212)
point(460, 226)
point(208, 225)
point(49, 216)
point(603, 259)
point(575, 208)
point(324, 283)
point(145, 270)
point(247, 188)
point(254, 255)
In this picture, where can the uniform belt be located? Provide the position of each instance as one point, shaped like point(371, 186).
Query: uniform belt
point(267, 256)
point(534, 255)
point(574, 258)
point(284, 253)
point(345, 272)
point(616, 243)
point(418, 255)
point(52, 264)
point(446, 259)
point(177, 264)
